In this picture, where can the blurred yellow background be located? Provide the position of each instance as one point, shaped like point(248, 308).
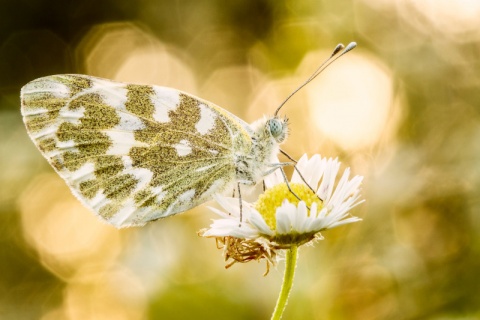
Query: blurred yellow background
point(402, 109)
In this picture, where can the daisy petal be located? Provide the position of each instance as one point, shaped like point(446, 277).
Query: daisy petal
point(292, 220)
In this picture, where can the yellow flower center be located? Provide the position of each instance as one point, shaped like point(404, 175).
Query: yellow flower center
point(272, 198)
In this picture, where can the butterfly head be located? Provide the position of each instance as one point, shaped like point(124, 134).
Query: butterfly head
point(277, 128)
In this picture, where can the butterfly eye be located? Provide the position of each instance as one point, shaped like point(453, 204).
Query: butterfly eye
point(277, 129)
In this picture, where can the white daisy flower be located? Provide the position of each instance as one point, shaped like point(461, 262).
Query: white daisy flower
point(278, 219)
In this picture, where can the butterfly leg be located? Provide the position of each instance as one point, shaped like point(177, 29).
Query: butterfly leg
point(284, 164)
point(280, 166)
point(304, 181)
point(277, 166)
point(240, 203)
point(288, 186)
point(299, 173)
point(288, 156)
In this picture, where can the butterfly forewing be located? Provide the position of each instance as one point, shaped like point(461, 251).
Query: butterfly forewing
point(133, 153)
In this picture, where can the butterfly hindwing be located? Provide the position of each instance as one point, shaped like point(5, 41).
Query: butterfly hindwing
point(133, 153)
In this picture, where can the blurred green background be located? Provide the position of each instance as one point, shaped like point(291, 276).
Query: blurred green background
point(402, 110)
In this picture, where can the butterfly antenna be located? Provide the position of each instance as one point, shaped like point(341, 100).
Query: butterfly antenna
point(333, 57)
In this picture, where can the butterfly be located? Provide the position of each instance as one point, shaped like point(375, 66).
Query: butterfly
point(136, 153)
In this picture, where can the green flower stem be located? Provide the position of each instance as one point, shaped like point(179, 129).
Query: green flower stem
point(290, 264)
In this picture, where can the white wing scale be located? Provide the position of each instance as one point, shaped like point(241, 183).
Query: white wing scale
point(133, 153)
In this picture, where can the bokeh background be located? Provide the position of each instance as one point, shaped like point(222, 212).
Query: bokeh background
point(402, 110)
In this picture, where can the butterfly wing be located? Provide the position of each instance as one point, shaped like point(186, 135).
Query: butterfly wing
point(133, 153)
